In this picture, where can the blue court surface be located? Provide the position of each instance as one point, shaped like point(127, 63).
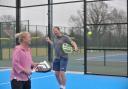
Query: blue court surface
point(74, 81)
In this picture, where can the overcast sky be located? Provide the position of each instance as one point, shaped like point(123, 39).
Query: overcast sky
point(61, 13)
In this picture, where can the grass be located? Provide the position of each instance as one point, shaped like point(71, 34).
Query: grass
point(7, 52)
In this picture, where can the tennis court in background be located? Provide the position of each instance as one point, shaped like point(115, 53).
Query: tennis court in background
point(116, 57)
point(113, 63)
point(74, 81)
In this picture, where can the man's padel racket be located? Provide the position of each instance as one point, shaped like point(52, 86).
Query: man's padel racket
point(67, 48)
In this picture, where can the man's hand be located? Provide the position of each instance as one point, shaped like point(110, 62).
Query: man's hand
point(75, 48)
point(48, 40)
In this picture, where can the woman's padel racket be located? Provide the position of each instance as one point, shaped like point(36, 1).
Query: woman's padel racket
point(42, 67)
point(67, 48)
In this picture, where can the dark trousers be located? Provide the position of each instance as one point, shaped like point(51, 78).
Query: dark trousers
point(20, 84)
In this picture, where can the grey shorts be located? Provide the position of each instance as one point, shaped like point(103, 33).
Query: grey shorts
point(60, 64)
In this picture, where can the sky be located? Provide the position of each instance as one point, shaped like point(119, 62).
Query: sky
point(61, 13)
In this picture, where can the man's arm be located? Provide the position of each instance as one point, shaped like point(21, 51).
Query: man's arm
point(73, 43)
point(49, 41)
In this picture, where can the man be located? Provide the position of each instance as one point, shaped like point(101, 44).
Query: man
point(61, 58)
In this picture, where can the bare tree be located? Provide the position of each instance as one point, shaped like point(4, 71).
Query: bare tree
point(8, 23)
point(119, 30)
point(100, 13)
point(7, 18)
point(96, 14)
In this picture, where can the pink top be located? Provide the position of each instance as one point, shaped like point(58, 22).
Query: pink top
point(21, 59)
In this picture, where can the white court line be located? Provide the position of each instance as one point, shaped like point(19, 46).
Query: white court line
point(6, 83)
point(74, 72)
point(92, 58)
point(5, 68)
point(42, 77)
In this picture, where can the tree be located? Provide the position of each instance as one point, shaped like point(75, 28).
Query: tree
point(100, 13)
point(8, 25)
point(118, 16)
point(7, 18)
point(5, 29)
point(38, 41)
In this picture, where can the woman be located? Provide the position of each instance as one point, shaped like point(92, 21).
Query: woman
point(22, 63)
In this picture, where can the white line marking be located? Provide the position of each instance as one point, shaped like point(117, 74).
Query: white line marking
point(3, 68)
point(92, 58)
point(42, 77)
point(4, 83)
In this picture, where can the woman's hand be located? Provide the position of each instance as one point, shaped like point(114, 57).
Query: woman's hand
point(27, 71)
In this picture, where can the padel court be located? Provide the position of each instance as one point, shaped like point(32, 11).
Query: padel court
point(97, 26)
point(74, 81)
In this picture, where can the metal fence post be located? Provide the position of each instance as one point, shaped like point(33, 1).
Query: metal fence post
point(50, 17)
point(104, 57)
point(0, 43)
point(85, 39)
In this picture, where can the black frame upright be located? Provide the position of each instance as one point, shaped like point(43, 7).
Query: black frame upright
point(85, 39)
point(50, 17)
point(127, 38)
point(18, 18)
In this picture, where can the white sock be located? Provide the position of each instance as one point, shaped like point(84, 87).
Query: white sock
point(64, 87)
point(61, 86)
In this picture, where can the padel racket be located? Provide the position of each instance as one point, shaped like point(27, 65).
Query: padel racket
point(42, 67)
point(67, 48)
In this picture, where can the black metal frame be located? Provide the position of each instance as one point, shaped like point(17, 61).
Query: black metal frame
point(50, 4)
point(127, 38)
point(0, 44)
point(50, 17)
point(7, 6)
point(18, 18)
point(125, 23)
point(85, 39)
point(77, 1)
point(108, 24)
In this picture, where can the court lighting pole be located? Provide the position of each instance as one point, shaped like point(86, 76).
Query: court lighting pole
point(85, 39)
point(18, 17)
point(50, 21)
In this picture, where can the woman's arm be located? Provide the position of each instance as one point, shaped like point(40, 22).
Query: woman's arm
point(16, 62)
